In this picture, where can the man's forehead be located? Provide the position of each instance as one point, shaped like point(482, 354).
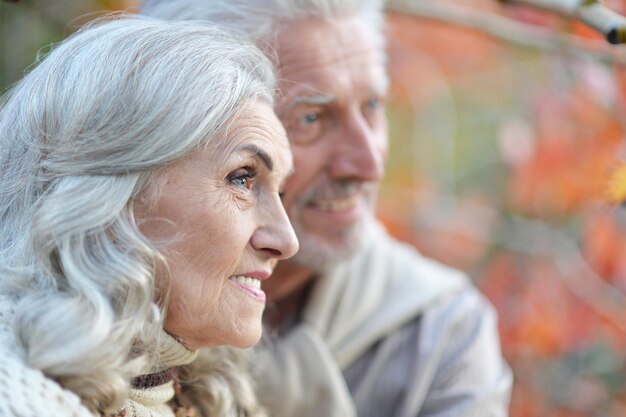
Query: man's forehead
point(298, 56)
point(318, 71)
point(307, 87)
point(315, 41)
point(327, 60)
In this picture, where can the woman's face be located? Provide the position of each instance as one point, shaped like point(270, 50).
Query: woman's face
point(220, 213)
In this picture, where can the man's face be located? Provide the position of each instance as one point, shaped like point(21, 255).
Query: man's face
point(332, 83)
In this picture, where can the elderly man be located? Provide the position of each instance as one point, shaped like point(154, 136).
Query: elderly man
point(358, 324)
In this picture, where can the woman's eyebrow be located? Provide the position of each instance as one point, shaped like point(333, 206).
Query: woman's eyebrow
point(260, 153)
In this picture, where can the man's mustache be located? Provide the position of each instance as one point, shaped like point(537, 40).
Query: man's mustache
point(337, 189)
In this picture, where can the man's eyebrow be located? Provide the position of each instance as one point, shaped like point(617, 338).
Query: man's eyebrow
point(378, 91)
point(381, 87)
point(316, 99)
point(260, 153)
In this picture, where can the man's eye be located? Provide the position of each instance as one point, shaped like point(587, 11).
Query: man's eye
point(310, 117)
point(373, 103)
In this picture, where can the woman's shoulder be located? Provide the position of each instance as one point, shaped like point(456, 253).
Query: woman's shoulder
point(25, 391)
point(8, 343)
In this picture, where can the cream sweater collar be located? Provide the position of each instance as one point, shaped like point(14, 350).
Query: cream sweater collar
point(172, 353)
point(153, 401)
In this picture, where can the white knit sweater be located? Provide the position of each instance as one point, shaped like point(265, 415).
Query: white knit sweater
point(27, 392)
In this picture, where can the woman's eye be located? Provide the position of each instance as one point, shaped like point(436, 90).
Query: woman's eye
point(242, 182)
point(242, 178)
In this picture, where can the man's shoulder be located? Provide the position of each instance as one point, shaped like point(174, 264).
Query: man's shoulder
point(438, 293)
point(405, 264)
point(462, 307)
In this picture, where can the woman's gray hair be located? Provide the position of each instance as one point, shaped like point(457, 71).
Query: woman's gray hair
point(81, 137)
point(261, 19)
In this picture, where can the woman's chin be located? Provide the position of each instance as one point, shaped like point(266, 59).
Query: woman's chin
point(249, 338)
point(245, 337)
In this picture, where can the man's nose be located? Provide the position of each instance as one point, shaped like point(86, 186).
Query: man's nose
point(360, 150)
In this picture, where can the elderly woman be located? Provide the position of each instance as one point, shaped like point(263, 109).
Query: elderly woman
point(140, 209)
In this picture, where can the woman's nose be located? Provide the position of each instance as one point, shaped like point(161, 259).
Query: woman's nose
point(276, 236)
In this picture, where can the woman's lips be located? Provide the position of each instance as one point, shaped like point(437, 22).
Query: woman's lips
point(250, 285)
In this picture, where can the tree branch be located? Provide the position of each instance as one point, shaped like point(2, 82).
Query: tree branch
point(590, 12)
point(507, 29)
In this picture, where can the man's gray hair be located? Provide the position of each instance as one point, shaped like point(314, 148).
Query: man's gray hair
point(81, 137)
point(261, 19)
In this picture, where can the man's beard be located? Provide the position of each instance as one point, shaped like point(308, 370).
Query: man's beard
point(316, 251)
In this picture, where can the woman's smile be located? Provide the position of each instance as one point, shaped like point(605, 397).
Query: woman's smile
point(251, 286)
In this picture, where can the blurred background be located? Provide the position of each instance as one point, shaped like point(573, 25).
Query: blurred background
point(507, 129)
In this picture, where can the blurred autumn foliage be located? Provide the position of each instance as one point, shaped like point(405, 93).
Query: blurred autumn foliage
point(507, 162)
point(503, 161)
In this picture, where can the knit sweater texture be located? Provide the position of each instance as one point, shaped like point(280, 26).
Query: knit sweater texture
point(27, 392)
